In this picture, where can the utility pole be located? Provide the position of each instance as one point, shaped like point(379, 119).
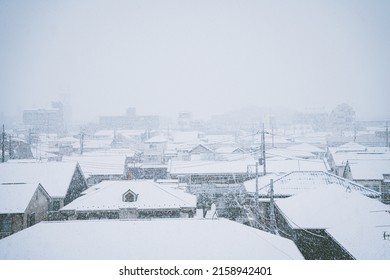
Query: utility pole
point(271, 208)
point(387, 134)
point(81, 142)
point(10, 147)
point(3, 146)
point(272, 128)
point(257, 192)
point(263, 150)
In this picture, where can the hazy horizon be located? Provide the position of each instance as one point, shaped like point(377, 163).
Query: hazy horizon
point(205, 57)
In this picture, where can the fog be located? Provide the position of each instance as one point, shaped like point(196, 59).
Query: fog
point(206, 57)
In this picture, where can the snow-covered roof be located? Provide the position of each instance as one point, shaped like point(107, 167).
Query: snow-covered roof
point(98, 144)
point(157, 139)
point(209, 167)
point(14, 198)
point(108, 196)
point(289, 165)
point(351, 147)
point(340, 158)
point(369, 169)
point(297, 182)
point(201, 147)
point(101, 163)
point(250, 185)
point(354, 220)
point(289, 153)
point(158, 239)
point(305, 147)
point(229, 150)
point(55, 177)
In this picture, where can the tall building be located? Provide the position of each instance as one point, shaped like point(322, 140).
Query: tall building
point(45, 120)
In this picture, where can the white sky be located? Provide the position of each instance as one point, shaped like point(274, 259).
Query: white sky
point(206, 57)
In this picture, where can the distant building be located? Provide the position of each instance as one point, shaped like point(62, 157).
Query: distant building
point(45, 120)
point(342, 118)
point(130, 121)
point(184, 121)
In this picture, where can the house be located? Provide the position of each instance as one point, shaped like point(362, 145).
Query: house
point(290, 153)
point(230, 153)
point(203, 171)
point(202, 152)
point(154, 149)
point(293, 184)
point(63, 181)
point(155, 239)
point(21, 206)
point(330, 222)
point(285, 165)
point(371, 173)
point(131, 199)
point(306, 147)
point(296, 182)
point(102, 165)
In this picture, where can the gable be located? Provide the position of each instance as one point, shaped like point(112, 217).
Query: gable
point(200, 149)
point(129, 196)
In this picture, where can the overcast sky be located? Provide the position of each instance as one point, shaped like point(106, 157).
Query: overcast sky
point(207, 57)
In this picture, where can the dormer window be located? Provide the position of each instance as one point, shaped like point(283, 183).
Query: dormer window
point(129, 196)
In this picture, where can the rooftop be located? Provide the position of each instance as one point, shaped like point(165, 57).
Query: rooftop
point(55, 177)
point(161, 239)
point(14, 198)
point(354, 220)
point(107, 195)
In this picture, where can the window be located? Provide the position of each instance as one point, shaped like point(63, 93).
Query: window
point(56, 205)
point(129, 196)
point(6, 226)
point(30, 219)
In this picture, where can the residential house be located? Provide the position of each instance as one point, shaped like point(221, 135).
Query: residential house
point(103, 165)
point(21, 206)
point(154, 149)
point(330, 222)
point(216, 172)
point(131, 200)
point(63, 181)
point(293, 184)
point(371, 173)
point(230, 153)
point(202, 152)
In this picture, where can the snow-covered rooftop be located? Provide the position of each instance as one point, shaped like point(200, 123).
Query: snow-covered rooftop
point(305, 147)
point(209, 167)
point(55, 177)
point(157, 139)
point(107, 195)
point(160, 239)
point(354, 220)
point(109, 162)
point(289, 165)
point(14, 198)
point(296, 182)
point(289, 153)
point(341, 158)
point(369, 169)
